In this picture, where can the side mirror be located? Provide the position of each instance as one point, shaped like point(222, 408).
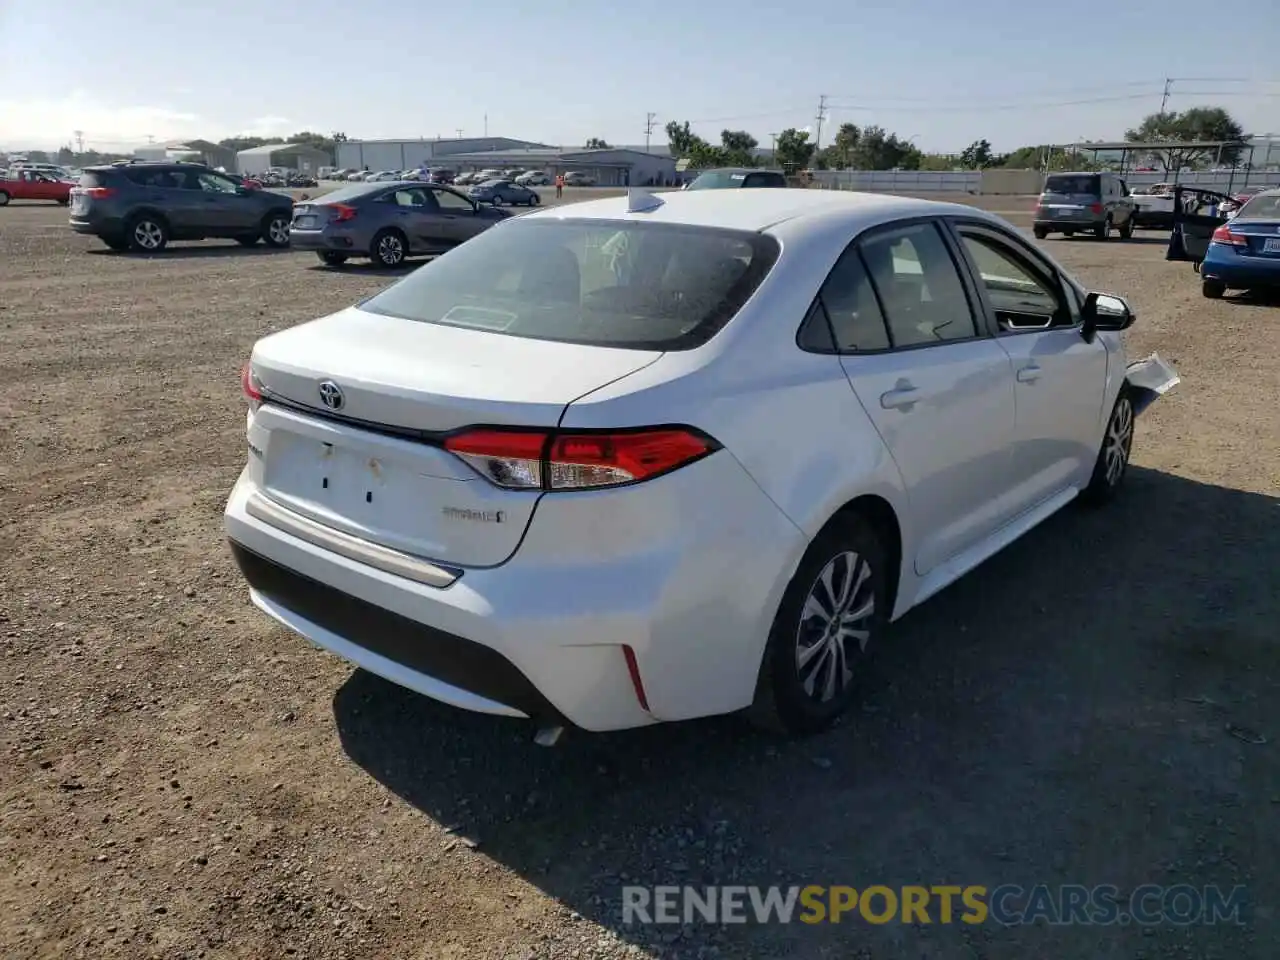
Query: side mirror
point(1104, 311)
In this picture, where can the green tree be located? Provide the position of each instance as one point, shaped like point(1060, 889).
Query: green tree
point(739, 148)
point(247, 143)
point(595, 143)
point(939, 161)
point(66, 156)
point(878, 149)
point(846, 142)
point(687, 145)
point(976, 155)
point(37, 156)
point(793, 151)
point(1195, 124)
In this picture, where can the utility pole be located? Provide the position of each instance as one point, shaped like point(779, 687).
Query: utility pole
point(486, 124)
point(79, 140)
point(822, 115)
point(1165, 98)
point(773, 146)
point(458, 130)
point(649, 120)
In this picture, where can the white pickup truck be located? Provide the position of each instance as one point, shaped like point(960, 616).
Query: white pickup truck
point(1155, 206)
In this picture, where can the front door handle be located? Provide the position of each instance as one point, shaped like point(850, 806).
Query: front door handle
point(1029, 374)
point(902, 397)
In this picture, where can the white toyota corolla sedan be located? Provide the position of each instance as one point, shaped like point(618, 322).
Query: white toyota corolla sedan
point(666, 456)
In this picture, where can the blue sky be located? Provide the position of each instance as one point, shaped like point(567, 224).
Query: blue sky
point(943, 72)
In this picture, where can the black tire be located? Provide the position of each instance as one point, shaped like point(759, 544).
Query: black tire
point(1068, 233)
point(4, 198)
point(534, 200)
point(1103, 230)
point(63, 203)
point(147, 233)
point(1112, 465)
point(782, 702)
point(248, 241)
point(1126, 232)
point(115, 243)
point(331, 259)
point(389, 248)
point(1213, 289)
point(275, 229)
point(496, 201)
point(1040, 233)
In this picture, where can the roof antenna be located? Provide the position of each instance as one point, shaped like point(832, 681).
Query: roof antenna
point(640, 200)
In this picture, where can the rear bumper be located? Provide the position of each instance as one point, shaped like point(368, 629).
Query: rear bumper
point(686, 571)
point(98, 226)
point(1058, 224)
point(323, 240)
point(1240, 272)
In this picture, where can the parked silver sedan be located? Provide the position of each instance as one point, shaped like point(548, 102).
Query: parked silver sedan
point(388, 222)
point(498, 192)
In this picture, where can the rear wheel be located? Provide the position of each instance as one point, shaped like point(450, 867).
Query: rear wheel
point(835, 605)
point(275, 230)
point(1126, 232)
point(147, 234)
point(332, 259)
point(4, 198)
point(534, 200)
point(1040, 233)
point(1103, 230)
point(1213, 289)
point(389, 248)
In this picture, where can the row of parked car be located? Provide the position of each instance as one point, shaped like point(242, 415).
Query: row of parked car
point(525, 178)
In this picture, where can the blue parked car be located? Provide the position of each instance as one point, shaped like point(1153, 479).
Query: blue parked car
point(1240, 253)
point(499, 192)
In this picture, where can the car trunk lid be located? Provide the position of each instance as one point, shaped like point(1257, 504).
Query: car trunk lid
point(1263, 236)
point(363, 403)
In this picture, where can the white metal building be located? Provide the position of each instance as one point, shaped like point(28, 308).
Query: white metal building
point(292, 156)
point(410, 154)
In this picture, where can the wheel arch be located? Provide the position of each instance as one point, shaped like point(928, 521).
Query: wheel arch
point(883, 518)
point(152, 213)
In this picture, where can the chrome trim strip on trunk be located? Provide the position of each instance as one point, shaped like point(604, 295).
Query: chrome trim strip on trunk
point(345, 545)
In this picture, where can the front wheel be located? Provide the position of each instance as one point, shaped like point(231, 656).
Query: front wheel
point(1112, 465)
point(275, 230)
point(496, 201)
point(389, 248)
point(833, 608)
point(1213, 289)
point(1040, 233)
point(534, 200)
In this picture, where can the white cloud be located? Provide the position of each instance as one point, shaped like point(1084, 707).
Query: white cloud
point(46, 124)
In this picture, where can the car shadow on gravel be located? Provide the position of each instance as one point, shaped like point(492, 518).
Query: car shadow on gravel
point(1084, 708)
point(185, 253)
point(1254, 298)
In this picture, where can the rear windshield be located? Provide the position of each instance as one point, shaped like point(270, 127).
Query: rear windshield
point(1265, 206)
point(90, 179)
point(718, 179)
point(1073, 183)
point(353, 192)
point(643, 286)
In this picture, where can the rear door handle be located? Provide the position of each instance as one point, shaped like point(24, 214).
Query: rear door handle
point(1029, 374)
point(902, 397)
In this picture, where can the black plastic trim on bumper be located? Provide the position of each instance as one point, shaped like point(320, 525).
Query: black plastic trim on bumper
point(451, 659)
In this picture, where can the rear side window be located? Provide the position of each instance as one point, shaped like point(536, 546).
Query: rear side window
point(918, 285)
point(764, 180)
point(1074, 183)
point(847, 316)
point(645, 286)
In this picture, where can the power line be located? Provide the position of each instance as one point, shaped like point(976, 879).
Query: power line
point(982, 108)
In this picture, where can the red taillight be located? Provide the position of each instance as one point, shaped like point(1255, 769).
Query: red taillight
point(98, 193)
point(250, 385)
point(1224, 235)
point(1095, 208)
point(341, 212)
point(533, 460)
point(637, 682)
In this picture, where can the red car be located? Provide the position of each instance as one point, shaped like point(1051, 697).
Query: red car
point(34, 185)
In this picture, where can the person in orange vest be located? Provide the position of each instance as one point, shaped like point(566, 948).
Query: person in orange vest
point(559, 185)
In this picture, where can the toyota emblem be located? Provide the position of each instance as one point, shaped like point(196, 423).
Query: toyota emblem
point(331, 395)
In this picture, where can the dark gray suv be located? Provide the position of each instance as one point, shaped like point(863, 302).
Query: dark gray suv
point(142, 205)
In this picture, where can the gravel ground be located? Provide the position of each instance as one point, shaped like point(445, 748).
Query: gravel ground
point(183, 779)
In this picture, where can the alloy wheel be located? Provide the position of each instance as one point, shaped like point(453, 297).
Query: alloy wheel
point(278, 231)
point(390, 250)
point(148, 235)
point(1119, 440)
point(835, 617)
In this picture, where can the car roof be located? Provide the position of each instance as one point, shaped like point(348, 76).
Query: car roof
point(762, 210)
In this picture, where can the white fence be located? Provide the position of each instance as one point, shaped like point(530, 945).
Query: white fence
point(970, 181)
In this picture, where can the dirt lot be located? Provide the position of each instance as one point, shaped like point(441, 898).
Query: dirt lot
point(181, 778)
